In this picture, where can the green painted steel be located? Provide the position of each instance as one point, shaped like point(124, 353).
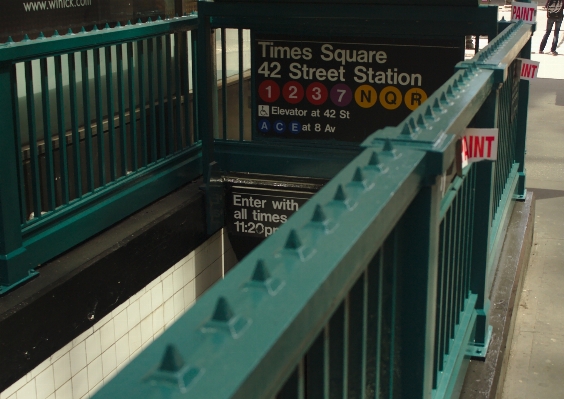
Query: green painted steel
point(377, 286)
point(73, 170)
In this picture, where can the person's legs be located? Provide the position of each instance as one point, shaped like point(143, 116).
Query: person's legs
point(557, 25)
point(549, 24)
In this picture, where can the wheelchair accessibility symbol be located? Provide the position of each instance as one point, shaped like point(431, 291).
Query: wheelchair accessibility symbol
point(264, 110)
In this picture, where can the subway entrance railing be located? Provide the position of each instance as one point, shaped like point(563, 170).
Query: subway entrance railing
point(378, 286)
point(105, 121)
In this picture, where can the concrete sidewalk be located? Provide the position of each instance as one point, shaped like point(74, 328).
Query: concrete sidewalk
point(536, 362)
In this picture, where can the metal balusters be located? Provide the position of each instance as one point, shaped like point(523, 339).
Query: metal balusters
point(455, 264)
point(47, 136)
point(99, 118)
point(32, 131)
point(132, 107)
point(356, 334)
point(142, 101)
point(186, 76)
point(18, 134)
point(241, 96)
point(224, 82)
point(111, 112)
point(438, 364)
point(62, 130)
point(74, 127)
point(160, 89)
point(315, 365)
point(177, 90)
point(336, 352)
point(121, 110)
point(87, 121)
point(194, 48)
point(152, 111)
point(374, 324)
point(169, 101)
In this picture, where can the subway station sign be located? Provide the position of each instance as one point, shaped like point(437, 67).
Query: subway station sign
point(342, 90)
point(257, 206)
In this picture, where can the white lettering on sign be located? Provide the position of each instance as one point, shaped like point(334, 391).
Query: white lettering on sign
point(526, 12)
point(529, 69)
point(479, 145)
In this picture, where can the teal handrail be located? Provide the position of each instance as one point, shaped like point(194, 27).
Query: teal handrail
point(376, 286)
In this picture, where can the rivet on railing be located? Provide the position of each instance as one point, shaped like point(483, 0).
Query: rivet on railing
point(107, 26)
point(175, 15)
point(374, 163)
point(41, 36)
point(223, 311)
point(95, 28)
point(26, 38)
point(294, 244)
point(461, 81)
point(173, 372)
point(320, 219)
point(406, 131)
point(149, 20)
point(450, 93)
point(413, 125)
point(421, 122)
point(466, 75)
point(82, 30)
point(429, 114)
point(129, 23)
point(139, 21)
point(118, 25)
point(261, 278)
point(69, 32)
point(359, 179)
point(342, 197)
point(437, 106)
point(11, 41)
point(455, 87)
point(159, 18)
point(389, 148)
point(224, 318)
point(444, 100)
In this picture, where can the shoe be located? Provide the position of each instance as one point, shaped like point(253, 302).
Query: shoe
point(553, 53)
point(541, 52)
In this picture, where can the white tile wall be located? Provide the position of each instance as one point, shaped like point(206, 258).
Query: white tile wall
point(81, 367)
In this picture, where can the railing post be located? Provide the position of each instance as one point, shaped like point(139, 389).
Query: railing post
point(207, 119)
point(10, 226)
point(522, 116)
point(482, 224)
point(418, 251)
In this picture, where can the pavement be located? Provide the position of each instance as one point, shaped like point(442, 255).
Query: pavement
point(536, 361)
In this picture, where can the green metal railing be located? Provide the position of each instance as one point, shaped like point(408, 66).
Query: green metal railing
point(378, 286)
point(105, 121)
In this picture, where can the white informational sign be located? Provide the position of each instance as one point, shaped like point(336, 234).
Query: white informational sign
point(526, 12)
point(529, 69)
point(479, 145)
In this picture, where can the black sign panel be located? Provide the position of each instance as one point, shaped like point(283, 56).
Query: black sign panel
point(333, 90)
point(258, 212)
point(256, 206)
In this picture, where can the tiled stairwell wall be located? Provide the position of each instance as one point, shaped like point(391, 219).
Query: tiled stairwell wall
point(82, 366)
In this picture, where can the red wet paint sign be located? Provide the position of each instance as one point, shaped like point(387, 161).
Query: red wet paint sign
point(529, 69)
point(526, 12)
point(479, 145)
